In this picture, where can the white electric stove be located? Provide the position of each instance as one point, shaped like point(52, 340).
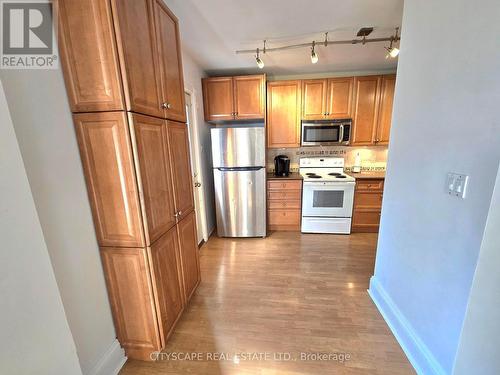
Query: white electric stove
point(327, 195)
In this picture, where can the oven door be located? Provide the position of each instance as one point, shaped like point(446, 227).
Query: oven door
point(326, 199)
point(314, 134)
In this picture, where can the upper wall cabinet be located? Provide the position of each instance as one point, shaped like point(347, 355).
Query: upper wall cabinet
point(167, 31)
point(122, 54)
point(366, 107)
point(283, 114)
point(89, 57)
point(327, 98)
point(234, 98)
point(385, 110)
point(373, 109)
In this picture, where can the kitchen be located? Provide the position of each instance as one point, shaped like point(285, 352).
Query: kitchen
point(229, 187)
point(316, 130)
point(300, 158)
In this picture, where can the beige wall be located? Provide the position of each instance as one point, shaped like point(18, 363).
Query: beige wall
point(44, 128)
point(35, 336)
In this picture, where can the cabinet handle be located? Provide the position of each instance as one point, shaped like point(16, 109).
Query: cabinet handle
point(166, 105)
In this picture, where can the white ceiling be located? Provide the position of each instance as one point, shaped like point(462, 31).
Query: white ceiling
point(212, 30)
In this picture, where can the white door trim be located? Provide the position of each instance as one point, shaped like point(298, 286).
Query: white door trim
point(195, 155)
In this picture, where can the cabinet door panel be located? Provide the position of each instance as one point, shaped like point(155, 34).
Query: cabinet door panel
point(218, 98)
point(340, 97)
point(89, 56)
point(167, 31)
point(107, 160)
point(385, 114)
point(153, 166)
point(283, 114)
point(165, 262)
point(181, 167)
point(314, 99)
point(132, 301)
point(189, 254)
point(249, 97)
point(136, 43)
point(366, 109)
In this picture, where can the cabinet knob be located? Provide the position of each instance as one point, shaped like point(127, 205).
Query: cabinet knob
point(166, 105)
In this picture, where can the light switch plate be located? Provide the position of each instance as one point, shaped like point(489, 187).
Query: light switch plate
point(456, 184)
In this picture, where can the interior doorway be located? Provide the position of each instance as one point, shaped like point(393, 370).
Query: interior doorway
point(196, 172)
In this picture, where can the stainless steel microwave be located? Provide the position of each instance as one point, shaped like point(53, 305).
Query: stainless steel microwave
point(326, 132)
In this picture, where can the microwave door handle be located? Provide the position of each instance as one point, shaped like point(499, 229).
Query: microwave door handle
point(341, 135)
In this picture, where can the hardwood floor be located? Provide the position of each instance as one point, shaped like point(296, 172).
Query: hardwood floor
point(289, 293)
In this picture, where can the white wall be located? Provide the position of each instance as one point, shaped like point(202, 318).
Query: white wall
point(478, 349)
point(445, 119)
point(44, 128)
point(35, 336)
point(192, 82)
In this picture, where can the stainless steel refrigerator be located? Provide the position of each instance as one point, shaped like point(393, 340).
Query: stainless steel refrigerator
point(239, 165)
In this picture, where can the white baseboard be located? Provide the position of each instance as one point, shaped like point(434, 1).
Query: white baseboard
point(422, 360)
point(111, 361)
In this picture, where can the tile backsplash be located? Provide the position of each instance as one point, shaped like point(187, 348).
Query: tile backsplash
point(372, 158)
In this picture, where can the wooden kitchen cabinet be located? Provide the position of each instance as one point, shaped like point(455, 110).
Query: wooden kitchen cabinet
point(387, 88)
point(132, 298)
point(339, 97)
point(284, 197)
point(181, 168)
point(153, 174)
point(189, 257)
point(169, 51)
point(122, 54)
point(107, 160)
point(135, 33)
point(283, 114)
point(123, 73)
point(366, 107)
point(91, 87)
point(314, 93)
point(367, 205)
point(234, 98)
point(166, 274)
point(325, 99)
point(374, 96)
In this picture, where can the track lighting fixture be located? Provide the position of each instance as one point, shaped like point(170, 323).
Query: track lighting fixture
point(258, 60)
point(362, 38)
point(314, 55)
point(393, 52)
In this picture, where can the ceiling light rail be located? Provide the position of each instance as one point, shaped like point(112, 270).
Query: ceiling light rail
point(325, 43)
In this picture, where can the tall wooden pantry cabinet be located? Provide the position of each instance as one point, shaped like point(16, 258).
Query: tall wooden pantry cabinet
point(123, 72)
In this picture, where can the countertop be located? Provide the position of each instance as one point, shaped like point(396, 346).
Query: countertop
point(363, 175)
point(291, 176)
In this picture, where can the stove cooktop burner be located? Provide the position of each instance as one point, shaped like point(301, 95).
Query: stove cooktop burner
point(310, 174)
point(314, 176)
point(335, 174)
point(341, 176)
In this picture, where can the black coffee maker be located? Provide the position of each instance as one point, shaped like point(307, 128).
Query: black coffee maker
point(281, 166)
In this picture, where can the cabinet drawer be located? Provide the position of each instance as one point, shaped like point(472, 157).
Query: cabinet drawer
point(284, 185)
point(370, 185)
point(284, 194)
point(368, 218)
point(368, 199)
point(284, 217)
point(277, 204)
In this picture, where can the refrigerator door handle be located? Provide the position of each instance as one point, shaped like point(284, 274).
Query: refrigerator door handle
point(236, 169)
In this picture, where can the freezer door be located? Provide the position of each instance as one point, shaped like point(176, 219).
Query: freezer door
point(240, 198)
point(238, 147)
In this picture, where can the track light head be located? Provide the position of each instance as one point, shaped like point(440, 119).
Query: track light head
point(258, 60)
point(393, 52)
point(314, 55)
